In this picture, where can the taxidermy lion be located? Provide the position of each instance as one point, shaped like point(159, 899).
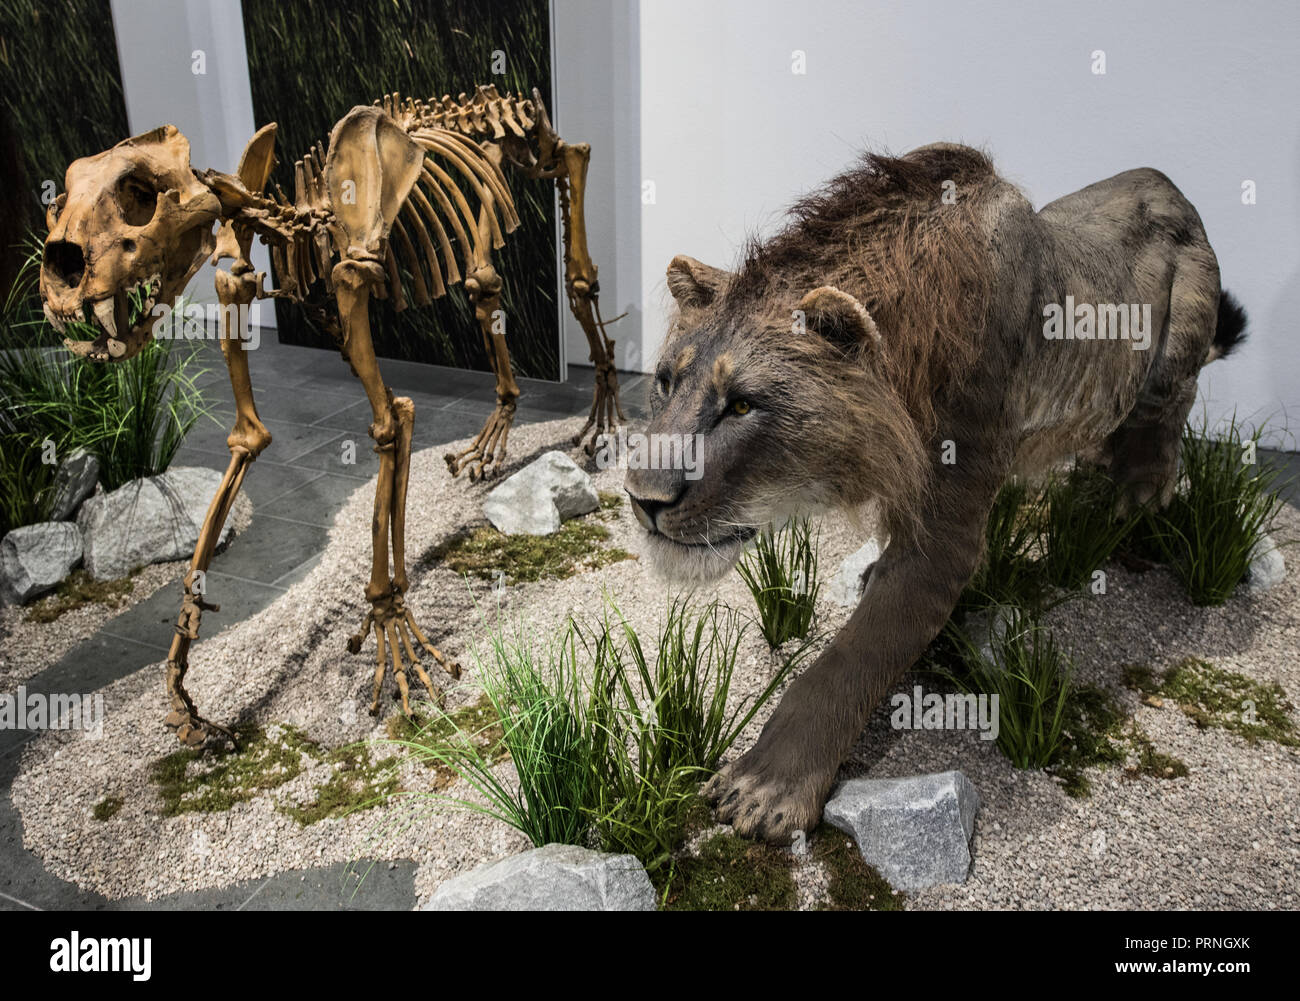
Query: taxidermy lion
point(915, 335)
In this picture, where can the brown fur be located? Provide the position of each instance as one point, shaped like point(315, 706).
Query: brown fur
point(906, 356)
point(919, 266)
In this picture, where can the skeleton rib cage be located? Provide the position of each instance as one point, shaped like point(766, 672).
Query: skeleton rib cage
point(438, 238)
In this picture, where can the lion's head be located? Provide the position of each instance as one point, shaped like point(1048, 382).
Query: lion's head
point(791, 412)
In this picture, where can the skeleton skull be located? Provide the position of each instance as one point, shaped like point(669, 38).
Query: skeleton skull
point(135, 223)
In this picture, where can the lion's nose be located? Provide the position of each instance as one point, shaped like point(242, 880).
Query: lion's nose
point(644, 511)
point(647, 508)
point(64, 262)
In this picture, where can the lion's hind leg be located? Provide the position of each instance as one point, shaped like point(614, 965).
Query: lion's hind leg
point(1143, 450)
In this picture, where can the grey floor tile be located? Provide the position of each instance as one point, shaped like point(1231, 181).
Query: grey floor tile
point(276, 405)
point(271, 547)
point(1288, 466)
point(448, 425)
point(292, 441)
point(352, 886)
point(267, 481)
point(334, 454)
point(318, 500)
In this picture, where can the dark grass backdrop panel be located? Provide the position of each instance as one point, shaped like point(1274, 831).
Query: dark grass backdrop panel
point(60, 99)
point(311, 62)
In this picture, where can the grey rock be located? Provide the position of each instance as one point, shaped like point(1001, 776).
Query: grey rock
point(75, 480)
point(35, 558)
point(150, 520)
point(1267, 568)
point(916, 831)
point(846, 586)
point(541, 496)
point(552, 878)
point(987, 627)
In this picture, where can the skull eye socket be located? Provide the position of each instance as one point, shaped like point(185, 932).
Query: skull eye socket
point(138, 199)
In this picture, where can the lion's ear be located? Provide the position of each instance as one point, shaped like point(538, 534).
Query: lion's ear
point(695, 285)
point(838, 317)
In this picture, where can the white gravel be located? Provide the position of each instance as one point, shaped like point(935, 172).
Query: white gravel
point(1228, 835)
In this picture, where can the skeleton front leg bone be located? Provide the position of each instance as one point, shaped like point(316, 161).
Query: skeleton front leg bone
point(235, 288)
point(391, 620)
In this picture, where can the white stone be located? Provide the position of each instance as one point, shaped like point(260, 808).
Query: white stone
point(1267, 568)
point(35, 558)
point(75, 480)
point(150, 520)
point(846, 586)
point(541, 496)
point(916, 831)
point(552, 878)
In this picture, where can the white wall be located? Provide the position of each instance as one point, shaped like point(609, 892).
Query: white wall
point(596, 69)
point(1204, 91)
point(156, 42)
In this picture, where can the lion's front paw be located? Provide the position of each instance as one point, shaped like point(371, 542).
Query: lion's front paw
point(766, 801)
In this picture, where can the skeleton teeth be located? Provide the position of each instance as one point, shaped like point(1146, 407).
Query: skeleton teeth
point(53, 319)
point(104, 310)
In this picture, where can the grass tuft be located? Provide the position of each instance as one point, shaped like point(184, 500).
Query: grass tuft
point(608, 743)
point(781, 573)
point(1224, 505)
point(1030, 675)
point(1079, 530)
point(1009, 573)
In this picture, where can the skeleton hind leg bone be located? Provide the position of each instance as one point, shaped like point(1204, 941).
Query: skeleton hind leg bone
point(393, 623)
point(487, 450)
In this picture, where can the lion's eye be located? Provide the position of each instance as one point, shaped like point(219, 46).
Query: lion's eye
point(740, 408)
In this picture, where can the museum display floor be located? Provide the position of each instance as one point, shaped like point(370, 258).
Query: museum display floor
point(317, 412)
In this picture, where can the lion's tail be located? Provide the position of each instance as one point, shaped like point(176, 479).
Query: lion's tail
point(1230, 328)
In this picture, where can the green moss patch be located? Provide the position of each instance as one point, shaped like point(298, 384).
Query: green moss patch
point(578, 546)
point(854, 884)
point(1100, 734)
point(77, 590)
point(478, 723)
point(731, 874)
point(195, 780)
point(1152, 763)
point(211, 780)
point(1093, 737)
point(1213, 697)
point(107, 807)
point(357, 783)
